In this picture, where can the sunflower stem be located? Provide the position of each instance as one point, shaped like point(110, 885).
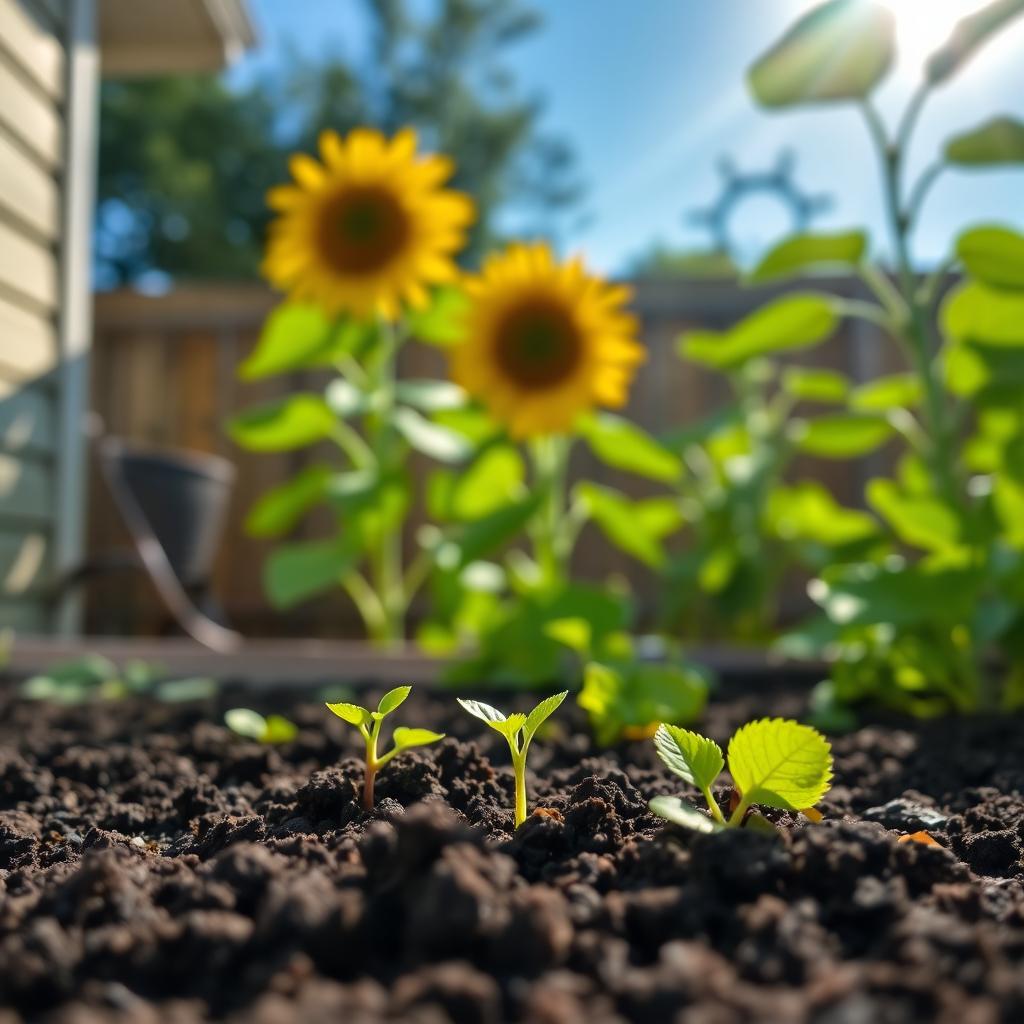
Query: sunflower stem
point(386, 557)
point(552, 531)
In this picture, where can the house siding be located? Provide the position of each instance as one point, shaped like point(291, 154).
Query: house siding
point(34, 68)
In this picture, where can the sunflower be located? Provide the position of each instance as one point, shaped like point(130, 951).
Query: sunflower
point(369, 228)
point(544, 341)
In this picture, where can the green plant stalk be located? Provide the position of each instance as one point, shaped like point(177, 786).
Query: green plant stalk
point(551, 531)
point(373, 762)
point(914, 329)
point(716, 811)
point(373, 765)
point(736, 818)
point(519, 767)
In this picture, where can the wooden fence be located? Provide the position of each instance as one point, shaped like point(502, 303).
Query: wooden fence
point(164, 373)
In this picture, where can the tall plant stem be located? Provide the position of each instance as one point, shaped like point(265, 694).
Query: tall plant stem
point(550, 532)
point(915, 330)
point(386, 558)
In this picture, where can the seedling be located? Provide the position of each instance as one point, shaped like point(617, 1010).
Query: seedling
point(774, 762)
point(369, 722)
point(518, 730)
point(252, 725)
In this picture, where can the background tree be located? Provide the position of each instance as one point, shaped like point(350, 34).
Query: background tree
point(185, 162)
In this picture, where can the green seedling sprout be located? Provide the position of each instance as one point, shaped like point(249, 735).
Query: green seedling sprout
point(369, 722)
point(774, 762)
point(518, 730)
point(252, 725)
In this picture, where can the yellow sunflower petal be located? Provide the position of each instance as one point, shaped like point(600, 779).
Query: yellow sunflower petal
point(369, 228)
point(544, 341)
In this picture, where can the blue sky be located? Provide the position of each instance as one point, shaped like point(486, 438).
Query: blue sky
point(650, 93)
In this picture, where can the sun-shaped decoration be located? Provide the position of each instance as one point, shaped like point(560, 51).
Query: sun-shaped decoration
point(545, 341)
point(368, 229)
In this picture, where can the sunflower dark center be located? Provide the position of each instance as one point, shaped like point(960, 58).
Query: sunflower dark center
point(538, 345)
point(362, 230)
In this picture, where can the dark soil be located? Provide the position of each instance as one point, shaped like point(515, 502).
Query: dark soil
point(157, 869)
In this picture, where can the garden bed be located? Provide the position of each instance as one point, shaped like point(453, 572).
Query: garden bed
point(157, 868)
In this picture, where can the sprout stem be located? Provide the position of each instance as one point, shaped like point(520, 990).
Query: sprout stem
point(372, 764)
point(716, 811)
point(519, 767)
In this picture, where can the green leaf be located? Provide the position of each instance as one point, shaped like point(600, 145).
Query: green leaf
point(482, 536)
point(780, 763)
point(1008, 501)
point(994, 255)
point(574, 632)
point(507, 726)
point(998, 141)
point(351, 713)
point(370, 506)
point(895, 594)
point(627, 699)
point(614, 514)
point(683, 814)
point(970, 369)
point(442, 322)
point(279, 730)
point(896, 391)
point(798, 253)
point(919, 521)
point(621, 444)
point(295, 572)
point(791, 322)
point(717, 567)
point(393, 699)
point(841, 436)
point(825, 386)
point(969, 34)
point(284, 424)
point(431, 438)
point(431, 395)
point(483, 711)
point(280, 509)
point(540, 714)
point(985, 316)
point(404, 738)
point(658, 517)
point(689, 755)
point(808, 512)
point(837, 51)
point(246, 722)
point(492, 480)
point(173, 691)
point(294, 337)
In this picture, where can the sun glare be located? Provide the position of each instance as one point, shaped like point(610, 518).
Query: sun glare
point(922, 26)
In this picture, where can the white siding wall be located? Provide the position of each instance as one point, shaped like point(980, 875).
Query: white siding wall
point(36, 60)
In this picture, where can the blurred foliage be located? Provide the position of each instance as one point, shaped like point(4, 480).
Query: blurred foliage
point(185, 162)
point(95, 677)
point(930, 618)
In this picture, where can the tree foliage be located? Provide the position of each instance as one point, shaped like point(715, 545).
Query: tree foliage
point(185, 162)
